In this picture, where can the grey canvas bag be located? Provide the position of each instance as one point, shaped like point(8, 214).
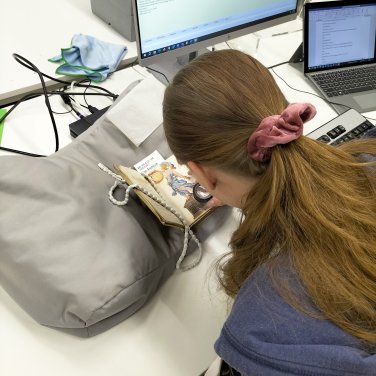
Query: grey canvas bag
point(70, 258)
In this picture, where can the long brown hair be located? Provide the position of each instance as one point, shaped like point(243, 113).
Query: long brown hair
point(314, 204)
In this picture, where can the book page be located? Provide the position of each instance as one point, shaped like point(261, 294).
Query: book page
point(152, 161)
point(174, 184)
point(169, 181)
point(131, 176)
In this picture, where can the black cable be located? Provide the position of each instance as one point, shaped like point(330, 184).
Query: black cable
point(76, 103)
point(154, 70)
point(73, 93)
point(28, 96)
point(228, 45)
point(86, 91)
point(91, 108)
point(62, 113)
point(22, 99)
point(81, 116)
point(277, 65)
point(25, 97)
point(62, 81)
point(307, 92)
point(36, 94)
point(31, 66)
point(68, 101)
point(21, 152)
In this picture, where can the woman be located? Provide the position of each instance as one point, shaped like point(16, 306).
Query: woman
point(302, 263)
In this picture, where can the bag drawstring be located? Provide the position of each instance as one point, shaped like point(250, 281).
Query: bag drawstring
point(187, 230)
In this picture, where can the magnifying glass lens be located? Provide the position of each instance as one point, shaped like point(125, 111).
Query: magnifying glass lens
point(200, 193)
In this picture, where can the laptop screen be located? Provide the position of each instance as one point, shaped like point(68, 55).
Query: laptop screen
point(339, 33)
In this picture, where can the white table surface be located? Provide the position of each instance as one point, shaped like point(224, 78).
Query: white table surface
point(38, 29)
point(29, 126)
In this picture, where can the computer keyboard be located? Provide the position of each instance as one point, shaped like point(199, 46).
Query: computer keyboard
point(347, 81)
point(345, 127)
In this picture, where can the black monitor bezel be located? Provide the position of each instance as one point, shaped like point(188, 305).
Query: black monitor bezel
point(214, 38)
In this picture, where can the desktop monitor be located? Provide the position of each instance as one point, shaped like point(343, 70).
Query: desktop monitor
point(168, 29)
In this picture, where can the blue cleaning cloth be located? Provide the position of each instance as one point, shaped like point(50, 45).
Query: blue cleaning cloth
point(90, 57)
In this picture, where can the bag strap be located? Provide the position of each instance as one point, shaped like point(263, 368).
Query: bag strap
point(187, 230)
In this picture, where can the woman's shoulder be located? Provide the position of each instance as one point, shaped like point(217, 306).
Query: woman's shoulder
point(267, 336)
point(370, 133)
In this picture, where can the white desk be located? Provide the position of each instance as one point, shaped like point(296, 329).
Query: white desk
point(37, 30)
point(29, 126)
point(174, 333)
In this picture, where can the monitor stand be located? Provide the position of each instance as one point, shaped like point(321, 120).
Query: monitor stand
point(169, 68)
point(298, 55)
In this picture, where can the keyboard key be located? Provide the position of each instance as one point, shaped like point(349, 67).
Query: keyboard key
point(339, 130)
point(324, 138)
point(359, 89)
point(332, 134)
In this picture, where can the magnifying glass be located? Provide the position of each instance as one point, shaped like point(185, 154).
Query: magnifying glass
point(200, 193)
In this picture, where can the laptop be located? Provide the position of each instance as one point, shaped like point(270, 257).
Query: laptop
point(340, 52)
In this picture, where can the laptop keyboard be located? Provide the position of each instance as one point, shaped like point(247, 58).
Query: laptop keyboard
point(345, 127)
point(347, 81)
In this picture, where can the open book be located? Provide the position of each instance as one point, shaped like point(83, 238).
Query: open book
point(171, 183)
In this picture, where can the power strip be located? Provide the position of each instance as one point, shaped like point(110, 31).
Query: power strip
point(82, 125)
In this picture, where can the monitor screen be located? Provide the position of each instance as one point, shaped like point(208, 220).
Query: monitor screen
point(171, 28)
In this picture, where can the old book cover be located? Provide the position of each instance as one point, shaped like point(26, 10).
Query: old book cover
point(170, 182)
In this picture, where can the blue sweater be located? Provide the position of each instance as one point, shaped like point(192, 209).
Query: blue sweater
point(264, 336)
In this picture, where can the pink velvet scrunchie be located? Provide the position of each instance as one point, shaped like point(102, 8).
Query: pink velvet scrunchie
point(279, 129)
